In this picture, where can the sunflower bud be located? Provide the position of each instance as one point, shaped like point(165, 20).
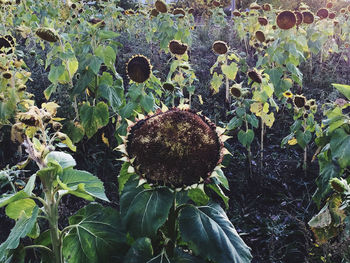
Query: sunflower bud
point(338, 185)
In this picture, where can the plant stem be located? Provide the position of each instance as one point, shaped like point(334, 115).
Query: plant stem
point(262, 145)
point(172, 229)
point(305, 151)
point(228, 98)
point(248, 148)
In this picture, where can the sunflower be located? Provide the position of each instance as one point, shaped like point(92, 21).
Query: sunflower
point(338, 185)
point(322, 13)
point(216, 3)
point(255, 76)
point(7, 75)
point(236, 13)
point(329, 5)
point(343, 11)
point(266, 7)
point(47, 34)
point(5, 43)
point(139, 68)
point(308, 17)
point(180, 12)
point(286, 20)
point(299, 17)
point(11, 39)
point(259, 35)
point(177, 148)
point(169, 86)
point(161, 6)
point(287, 94)
point(177, 48)
point(263, 21)
point(254, 6)
point(332, 15)
point(129, 12)
point(220, 47)
point(154, 12)
point(191, 11)
point(299, 101)
point(347, 45)
point(236, 91)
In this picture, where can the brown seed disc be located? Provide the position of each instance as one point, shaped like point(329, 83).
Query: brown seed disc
point(47, 34)
point(259, 35)
point(329, 5)
point(266, 7)
point(236, 13)
point(191, 11)
point(154, 12)
point(220, 47)
point(254, 6)
point(176, 148)
point(139, 69)
point(161, 6)
point(177, 48)
point(168, 86)
point(255, 76)
point(236, 92)
point(263, 21)
point(332, 15)
point(299, 101)
point(4, 43)
point(216, 3)
point(179, 11)
point(286, 20)
point(308, 17)
point(299, 17)
point(322, 13)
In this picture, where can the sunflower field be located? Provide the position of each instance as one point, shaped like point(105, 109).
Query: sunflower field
point(204, 131)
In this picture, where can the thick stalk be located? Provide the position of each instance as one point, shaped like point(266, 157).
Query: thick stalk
point(248, 148)
point(305, 151)
point(262, 145)
point(228, 97)
point(172, 229)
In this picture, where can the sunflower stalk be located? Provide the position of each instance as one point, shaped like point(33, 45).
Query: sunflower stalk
point(262, 145)
point(172, 228)
point(228, 97)
point(305, 150)
point(248, 148)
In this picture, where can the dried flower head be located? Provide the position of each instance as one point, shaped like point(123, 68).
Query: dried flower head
point(299, 17)
point(329, 5)
point(220, 47)
point(161, 6)
point(154, 12)
point(236, 91)
point(180, 12)
point(337, 185)
point(11, 39)
point(286, 20)
point(259, 35)
point(177, 148)
point(7, 75)
point(254, 6)
point(322, 13)
point(263, 21)
point(308, 17)
point(332, 15)
point(47, 34)
point(177, 48)
point(169, 86)
point(266, 7)
point(255, 76)
point(17, 132)
point(5, 44)
point(139, 68)
point(236, 13)
point(299, 101)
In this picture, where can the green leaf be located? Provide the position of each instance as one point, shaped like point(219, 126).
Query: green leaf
point(198, 196)
point(211, 234)
point(107, 34)
point(85, 78)
point(49, 90)
point(145, 210)
point(74, 131)
point(246, 138)
point(95, 64)
point(9, 198)
point(15, 209)
point(23, 226)
point(222, 178)
point(216, 82)
point(234, 123)
point(96, 236)
point(65, 160)
point(140, 251)
point(82, 184)
point(113, 94)
point(107, 54)
point(340, 147)
point(147, 102)
point(124, 176)
point(230, 70)
point(344, 89)
point(94, 117)
point(55, 73)
point(217, 189)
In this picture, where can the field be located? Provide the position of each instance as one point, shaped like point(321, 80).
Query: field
point(174, 132)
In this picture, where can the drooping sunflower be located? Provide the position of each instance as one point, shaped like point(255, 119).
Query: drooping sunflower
point(177, 48)
point(286, 20)
point(139, 68)
point(236, 91)
point(299, 101)
point(236, 13)
point(7, 75)
point(154, 12)
point(332, 15)
point(254, 6)
point(177, 148)
point(169, 86)
point(180, 12)
point(342, 10)
point(308, 17)
point(259, 35)
point(11, 39)
point(161, 6)
point(322, 13)
point(263, 21)
point(266, 7)
point(5, 43)
point(220, 47)
point(299, 17)
point(47, 34)
point(255, 76)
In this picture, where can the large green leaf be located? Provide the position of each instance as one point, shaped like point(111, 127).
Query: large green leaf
point(65, 160)
point(140, 251)
point(113, 94)
point(23, 226)
point(344, 89)
point(15, 209)
point(145, 210)
point(107, 54)
point(340, 147)
point(211, 234)
point(97, 236)
point(82, 184)
point(94, 117)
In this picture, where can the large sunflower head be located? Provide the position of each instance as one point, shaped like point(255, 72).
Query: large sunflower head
point(47, 34)
point(322, 13)
point(220, 47)
point(308, 17)
point(299, 101)
point(286, 20)
point(177, 48)
point(5, 44)
point(161, 6)
point(139, 68)
point(175, 147)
